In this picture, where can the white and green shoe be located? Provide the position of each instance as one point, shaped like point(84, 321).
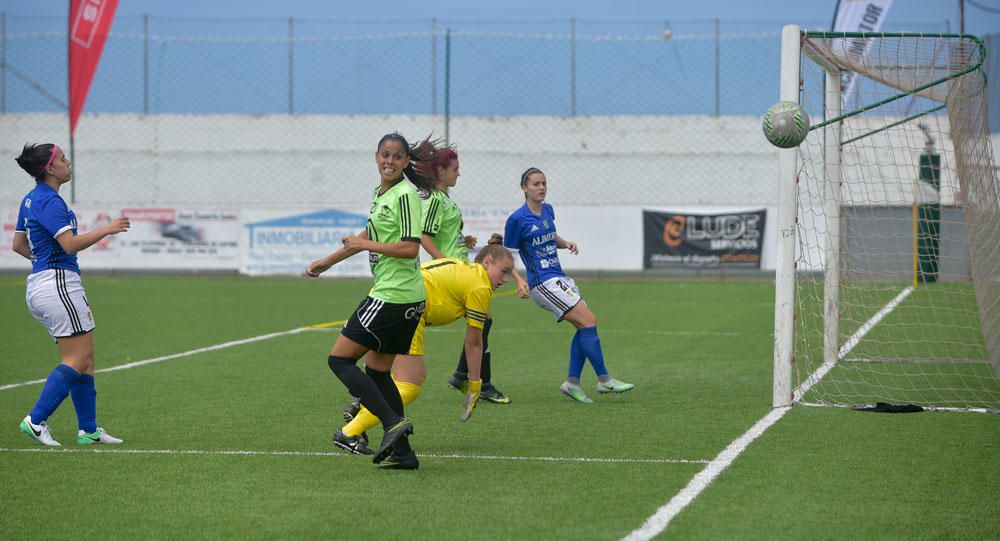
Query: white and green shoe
point(97, 436)
point(39, 432)
point(575, 392)
point(614, 386)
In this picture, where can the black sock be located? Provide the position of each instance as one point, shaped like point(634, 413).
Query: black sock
point(486, 370)
point(363, 387)
point(388, 389)
point(383, 380)
point(486, 333)
point(463, 362)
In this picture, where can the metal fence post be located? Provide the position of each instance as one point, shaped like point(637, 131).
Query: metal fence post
point(434, 74)
point(3, 62)
point(717, 67)
point(69, 125)
point(572, 67)
point(145, 64)
point(291, 66)
point(447, 86)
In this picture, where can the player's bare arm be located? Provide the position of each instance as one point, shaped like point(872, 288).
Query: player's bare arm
point(401, 249)
point(72, 244)
point(567, 244)
point(428, 243)
point(21, 245)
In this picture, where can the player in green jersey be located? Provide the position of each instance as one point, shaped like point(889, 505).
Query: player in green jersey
point(383, 324)
point(443, 237)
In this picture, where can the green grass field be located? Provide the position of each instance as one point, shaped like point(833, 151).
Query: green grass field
point(928, 349)
point(235, 442)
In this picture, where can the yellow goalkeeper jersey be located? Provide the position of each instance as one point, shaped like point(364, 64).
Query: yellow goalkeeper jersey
point(456, 289)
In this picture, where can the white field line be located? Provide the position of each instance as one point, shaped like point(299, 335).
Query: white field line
point(216, 347)
point(332, 326)
point(850, 344)
point(655, 524)
point(198, 452)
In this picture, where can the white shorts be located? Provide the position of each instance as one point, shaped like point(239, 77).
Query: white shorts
point(56, 298)
point(557, 295)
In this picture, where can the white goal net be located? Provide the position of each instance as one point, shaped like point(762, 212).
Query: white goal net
point(889, 258)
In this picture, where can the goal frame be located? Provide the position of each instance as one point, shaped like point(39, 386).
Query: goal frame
point(793, 44)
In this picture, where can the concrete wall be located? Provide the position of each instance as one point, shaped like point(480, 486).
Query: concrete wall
point(303, 159)
point(879, 245)
point(602, 170)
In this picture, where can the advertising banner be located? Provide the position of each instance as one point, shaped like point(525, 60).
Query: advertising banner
point(681, 240)
point(170, 238)
point(284, 242)
point(857, 16)
point(89, 24)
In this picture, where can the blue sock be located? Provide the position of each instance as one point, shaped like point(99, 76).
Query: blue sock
point(57, 386)
point(576, 357)
point(85, 401)
point(591, 345)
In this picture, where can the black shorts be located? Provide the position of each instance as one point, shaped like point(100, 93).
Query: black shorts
point(384, 327)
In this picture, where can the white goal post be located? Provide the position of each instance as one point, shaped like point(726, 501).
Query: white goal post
point(888, 261)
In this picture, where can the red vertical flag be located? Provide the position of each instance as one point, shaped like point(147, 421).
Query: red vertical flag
point(89, 24)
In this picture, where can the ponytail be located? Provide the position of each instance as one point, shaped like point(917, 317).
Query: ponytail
point(421, 169)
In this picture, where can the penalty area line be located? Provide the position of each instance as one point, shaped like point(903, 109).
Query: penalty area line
point(655, 524)
point(216, 347)
point(200, 452)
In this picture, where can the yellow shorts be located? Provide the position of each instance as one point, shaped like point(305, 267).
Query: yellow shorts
point(417, 344)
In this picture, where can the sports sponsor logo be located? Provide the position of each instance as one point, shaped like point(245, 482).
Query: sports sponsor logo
point(543, 239)
point(414, 312)
point(673, 231)
point(548, 262)
point(689, 240)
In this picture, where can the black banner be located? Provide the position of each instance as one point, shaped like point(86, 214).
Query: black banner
point(678, 240)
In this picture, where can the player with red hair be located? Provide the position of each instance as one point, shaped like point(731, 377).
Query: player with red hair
point(443, 237)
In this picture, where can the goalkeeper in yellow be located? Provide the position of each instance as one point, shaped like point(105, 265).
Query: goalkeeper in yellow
point(455, 289)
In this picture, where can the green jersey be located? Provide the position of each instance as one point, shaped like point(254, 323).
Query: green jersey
point(395, 217)
point(443, 222)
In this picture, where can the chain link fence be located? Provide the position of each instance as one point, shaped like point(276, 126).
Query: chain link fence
point(288, 111)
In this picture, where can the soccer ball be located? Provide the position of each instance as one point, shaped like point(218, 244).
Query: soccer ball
point(786, 124)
